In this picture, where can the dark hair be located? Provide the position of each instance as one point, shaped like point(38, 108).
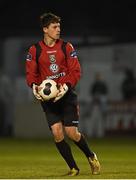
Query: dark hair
point(48, 18)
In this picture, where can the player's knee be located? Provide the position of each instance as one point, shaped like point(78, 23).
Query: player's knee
point(57, 132)
point(58, 135)
point(74, 135)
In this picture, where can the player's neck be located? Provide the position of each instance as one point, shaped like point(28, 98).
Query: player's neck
point(49, 42)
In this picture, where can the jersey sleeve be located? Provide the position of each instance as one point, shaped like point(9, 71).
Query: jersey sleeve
point(32, 74)
point(73, 65)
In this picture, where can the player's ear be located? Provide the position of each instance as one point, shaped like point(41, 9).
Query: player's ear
point(45, 29)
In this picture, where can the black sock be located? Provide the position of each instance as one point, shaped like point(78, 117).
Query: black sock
point(66, 153)
point(84, 147)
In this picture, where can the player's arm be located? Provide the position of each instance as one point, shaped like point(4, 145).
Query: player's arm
point(74, 69)
point(74, 73)
point(32, 75)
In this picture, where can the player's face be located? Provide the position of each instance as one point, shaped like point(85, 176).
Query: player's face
point(53, 31)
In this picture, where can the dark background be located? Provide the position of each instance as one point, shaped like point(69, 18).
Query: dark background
point(79, 18)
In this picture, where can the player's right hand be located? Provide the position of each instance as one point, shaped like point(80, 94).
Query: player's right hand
point(35, 92)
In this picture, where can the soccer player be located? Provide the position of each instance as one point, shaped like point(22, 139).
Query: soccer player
point(58, 61)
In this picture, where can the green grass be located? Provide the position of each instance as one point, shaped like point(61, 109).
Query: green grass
point(39, 159)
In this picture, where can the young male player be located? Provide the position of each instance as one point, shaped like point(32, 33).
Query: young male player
point(58, 61)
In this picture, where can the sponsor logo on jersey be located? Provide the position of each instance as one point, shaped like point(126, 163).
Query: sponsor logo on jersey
point(73, 54)
point(56, 75)
point(54, 68)
point(29, 57)
point(52, 58)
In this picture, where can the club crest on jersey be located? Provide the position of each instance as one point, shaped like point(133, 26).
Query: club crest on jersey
point(73, 54)
point(54, 68)
point(29, 57)
point(52, 58)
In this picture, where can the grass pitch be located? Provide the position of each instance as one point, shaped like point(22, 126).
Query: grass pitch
point(39, 159)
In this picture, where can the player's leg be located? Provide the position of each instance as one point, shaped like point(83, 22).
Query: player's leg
point(64, 148)
point(80, 141)
point(54, 113)
point(71, 121)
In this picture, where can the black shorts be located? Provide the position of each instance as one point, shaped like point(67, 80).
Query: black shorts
point(65, 110)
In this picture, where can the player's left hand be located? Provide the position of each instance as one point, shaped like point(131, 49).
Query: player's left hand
point(62, 91)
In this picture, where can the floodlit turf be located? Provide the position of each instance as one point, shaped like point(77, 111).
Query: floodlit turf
point(39, 159)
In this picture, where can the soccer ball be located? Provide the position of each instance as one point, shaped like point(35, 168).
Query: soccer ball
point(48, 89)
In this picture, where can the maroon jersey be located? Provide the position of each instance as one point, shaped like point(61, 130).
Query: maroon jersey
point(53, 65)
